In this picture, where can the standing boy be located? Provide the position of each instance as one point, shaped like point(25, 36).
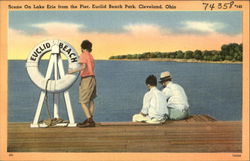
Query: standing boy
point(87, 88)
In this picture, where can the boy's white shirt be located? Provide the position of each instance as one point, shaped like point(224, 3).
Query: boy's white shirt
point(155, 104)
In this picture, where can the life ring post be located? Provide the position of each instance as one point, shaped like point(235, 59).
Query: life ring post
point(55, 51)
point(61, 82)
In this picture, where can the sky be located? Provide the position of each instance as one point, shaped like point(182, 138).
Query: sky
point(124, 32)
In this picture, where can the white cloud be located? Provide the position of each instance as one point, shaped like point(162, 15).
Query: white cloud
point(144, 28)
point(57, 28)
point(202, 26)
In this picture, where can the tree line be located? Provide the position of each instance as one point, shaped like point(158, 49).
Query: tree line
point(229, 52)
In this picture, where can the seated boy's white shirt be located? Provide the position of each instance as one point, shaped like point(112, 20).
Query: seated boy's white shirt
point(154, 104)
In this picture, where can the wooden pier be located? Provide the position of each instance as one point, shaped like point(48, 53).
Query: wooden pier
point(198, 133)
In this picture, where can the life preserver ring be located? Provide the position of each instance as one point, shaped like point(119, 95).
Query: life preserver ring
point(33, 60)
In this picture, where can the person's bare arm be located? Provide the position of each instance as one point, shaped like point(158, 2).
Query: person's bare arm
point(81, 68)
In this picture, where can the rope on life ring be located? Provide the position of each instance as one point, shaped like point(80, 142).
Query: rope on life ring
point(34, 58)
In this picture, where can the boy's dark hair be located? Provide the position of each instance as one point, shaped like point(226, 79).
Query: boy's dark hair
point(151, 80)
point(86, 44)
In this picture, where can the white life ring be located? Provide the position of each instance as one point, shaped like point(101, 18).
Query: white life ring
point(32, 66)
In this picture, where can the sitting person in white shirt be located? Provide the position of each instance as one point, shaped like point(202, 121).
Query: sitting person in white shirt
point(154, 109)
point(177, 101)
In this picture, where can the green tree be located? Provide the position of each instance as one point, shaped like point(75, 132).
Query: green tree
point(188, 54)
point(228, 57)
point(172, 55)
point(147, 55)
point(164, 55)
point(141, 56)
point(179, 54)
point(129, 56)
point(159, 55)
point(135, 56)
point(122, 56)
point(116, 57)
point(224, 51)
point(207, 55)
point(241, 47)
point(238, 57)
point(232, 52)
point(153, 55)
point(198, 55)
point(215, 55)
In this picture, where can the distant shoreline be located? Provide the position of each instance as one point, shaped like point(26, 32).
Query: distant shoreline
point(181, 60)
point(162, 60)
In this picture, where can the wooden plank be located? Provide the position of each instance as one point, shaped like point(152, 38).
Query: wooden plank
point(112, 138)
point(194, 118)
point(133, 132)
point(196, 134)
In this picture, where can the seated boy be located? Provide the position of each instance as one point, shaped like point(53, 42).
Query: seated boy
point(154, 109)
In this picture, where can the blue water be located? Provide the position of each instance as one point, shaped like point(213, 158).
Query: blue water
point(214, 89)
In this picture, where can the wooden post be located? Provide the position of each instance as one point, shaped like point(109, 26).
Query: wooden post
point(56, 61)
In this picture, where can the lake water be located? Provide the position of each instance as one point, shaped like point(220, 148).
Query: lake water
point(213, 89)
